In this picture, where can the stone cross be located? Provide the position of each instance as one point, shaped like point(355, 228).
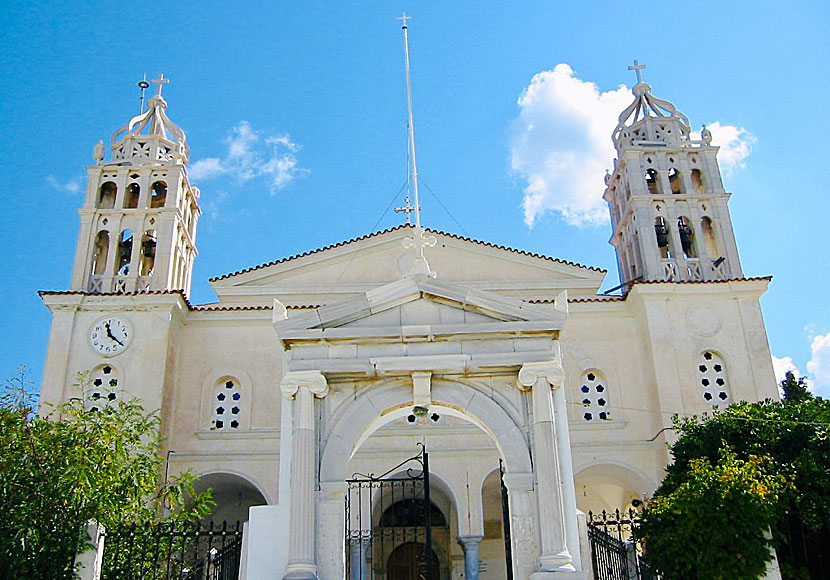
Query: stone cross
point(637, 67)
point(161, 81)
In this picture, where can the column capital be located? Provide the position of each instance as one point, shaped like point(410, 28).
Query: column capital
point(465, 541)
point(533, 371)
point(313, 380)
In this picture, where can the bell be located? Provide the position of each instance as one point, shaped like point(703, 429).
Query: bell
point(148, 247)
point(126, 249)
point(662, 232)
point(685, 238)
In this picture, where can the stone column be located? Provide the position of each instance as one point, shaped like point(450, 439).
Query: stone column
point(470, 545)
point(302, 387)
point(538, 378)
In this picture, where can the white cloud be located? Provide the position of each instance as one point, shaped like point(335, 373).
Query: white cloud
point(735, 145)
point(71, 186)
point(819, 364)
point(561, 145)
point(251, 156)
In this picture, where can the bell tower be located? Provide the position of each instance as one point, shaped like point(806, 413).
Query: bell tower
point(138, 221)
point(668, 206)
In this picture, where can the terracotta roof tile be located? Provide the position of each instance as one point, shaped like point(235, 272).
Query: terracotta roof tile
point(375, 234)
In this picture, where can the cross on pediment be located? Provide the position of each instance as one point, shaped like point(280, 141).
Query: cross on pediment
point(160, 82)
point(408, 208)
point(637, 67)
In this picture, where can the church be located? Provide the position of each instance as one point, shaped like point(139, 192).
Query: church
point(336, 400)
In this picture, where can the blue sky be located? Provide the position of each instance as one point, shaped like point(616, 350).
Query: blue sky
point(296, 118)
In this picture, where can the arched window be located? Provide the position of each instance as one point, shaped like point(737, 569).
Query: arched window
point(102, 388)
point(158, 194)
point(106, 195)
point(697, 180)
point(712, 377)
point(148, 253)
point(709, 239)
point(133, 193)
point(661, 230)
point(593, 390)
point(100, 251)
point(227, 404)
point(687, 237)
point(674, 180)
point(125, 252)
point(652, 181)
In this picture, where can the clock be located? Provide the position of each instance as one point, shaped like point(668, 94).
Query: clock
point(110, 336)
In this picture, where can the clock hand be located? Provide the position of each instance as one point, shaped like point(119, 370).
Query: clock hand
point(111, 335)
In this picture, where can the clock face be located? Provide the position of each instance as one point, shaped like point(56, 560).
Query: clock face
point(110, 336)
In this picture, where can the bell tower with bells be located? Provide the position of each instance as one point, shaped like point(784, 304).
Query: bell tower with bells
point(668, 206)
point(138, 221)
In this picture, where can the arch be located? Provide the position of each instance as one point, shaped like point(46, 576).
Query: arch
point(102, 387)
point(610, 485)
point(594, 395)
point(158, 194)
point(148, 253)
point(661, 231)
point(652, 179)
point(357, 419)
point(125, 252)
point(106, 195)
point(674, 181)
point(211, 381)
point(697, 181)
point(687, 237)
point(133, 193)
point(710, 240)
point(100, 252)
point(712, 378)
point(234, 494)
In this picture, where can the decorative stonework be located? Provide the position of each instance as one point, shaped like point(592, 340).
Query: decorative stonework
point(103, 388)
point(712, 378)
point(593, 393)
point(532, 372)
point(227, 404)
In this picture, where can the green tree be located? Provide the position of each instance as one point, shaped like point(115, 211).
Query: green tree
point(767, 441)
point(795, 391)
point(64, 468)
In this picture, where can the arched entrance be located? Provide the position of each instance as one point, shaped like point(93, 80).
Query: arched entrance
point(233, 495)
point(408, 562)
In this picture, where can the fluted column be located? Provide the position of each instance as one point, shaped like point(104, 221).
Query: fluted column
point(539, 378)
point(302, 387)
point(470, 545)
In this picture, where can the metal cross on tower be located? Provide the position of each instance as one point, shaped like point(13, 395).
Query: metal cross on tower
point(637, 67)
point(160, 82)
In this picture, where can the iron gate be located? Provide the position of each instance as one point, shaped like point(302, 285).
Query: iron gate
point(389, 520)
point(614, 554)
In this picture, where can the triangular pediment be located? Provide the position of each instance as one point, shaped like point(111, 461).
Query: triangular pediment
point(419, 305)
point(347, 269)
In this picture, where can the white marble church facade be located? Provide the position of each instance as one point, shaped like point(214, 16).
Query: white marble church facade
point(337, 361)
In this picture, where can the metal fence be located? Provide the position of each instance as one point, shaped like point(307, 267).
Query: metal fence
point(189, 551)
point(614, 553)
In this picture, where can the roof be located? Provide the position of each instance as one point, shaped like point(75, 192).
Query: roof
point(380, 233)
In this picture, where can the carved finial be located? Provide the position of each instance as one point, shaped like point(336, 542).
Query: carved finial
point(607, 177)
point(99, 151)
point(160, 82)
point(706, 135)
point(637, 67)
